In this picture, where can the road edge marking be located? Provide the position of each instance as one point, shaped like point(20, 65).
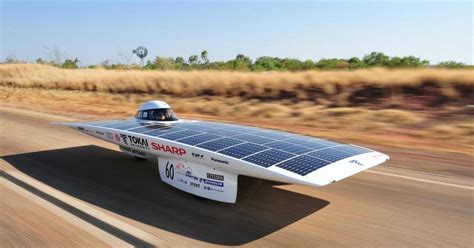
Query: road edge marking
point(37, 113)
point(422, 180)
point(138, 233)
point(66, 216)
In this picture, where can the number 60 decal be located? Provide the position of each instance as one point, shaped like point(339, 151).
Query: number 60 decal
point(169, 172)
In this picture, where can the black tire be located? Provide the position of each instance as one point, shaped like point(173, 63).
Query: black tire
point(140, 158)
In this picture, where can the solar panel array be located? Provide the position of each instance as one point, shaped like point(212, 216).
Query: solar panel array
point(262, 147)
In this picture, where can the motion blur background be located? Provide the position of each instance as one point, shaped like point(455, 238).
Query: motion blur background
point(402, 69)
point(393, 76)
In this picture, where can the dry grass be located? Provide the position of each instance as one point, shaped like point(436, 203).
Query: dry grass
point(406, 88)
point(377, 126)
point(419, 105)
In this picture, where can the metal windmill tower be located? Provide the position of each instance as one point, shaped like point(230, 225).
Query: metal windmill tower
point(141, 52)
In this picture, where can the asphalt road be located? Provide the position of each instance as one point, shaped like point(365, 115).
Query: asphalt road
point(63, 188)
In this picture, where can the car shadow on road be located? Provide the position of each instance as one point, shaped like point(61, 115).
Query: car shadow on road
point(118, 183)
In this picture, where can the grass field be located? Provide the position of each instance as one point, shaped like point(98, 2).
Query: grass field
point(376, 87)
point(422, 107)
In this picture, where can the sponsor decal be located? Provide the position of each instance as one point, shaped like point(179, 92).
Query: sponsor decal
point(215, 176)
point(99, 133)
point(109, 135)
point(85, 130)
point(212, 189)
point(185, 171)
point(197, 155)
point(189, 173)
point(182, 181)
point(355, 161)
point(123, 148)
point(138, 153)
point(117, 137)
point(180, 167)
point(211, 182)
point(133, 151)
point(219, 160)
point(124, 138)
point(193, 184)
point(135, 141)
point(168, 149)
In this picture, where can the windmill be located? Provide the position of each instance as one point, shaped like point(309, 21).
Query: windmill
point(141, 52)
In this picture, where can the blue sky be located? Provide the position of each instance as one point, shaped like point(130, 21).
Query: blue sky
point(95, 31)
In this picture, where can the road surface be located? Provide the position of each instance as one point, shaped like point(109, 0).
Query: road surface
point(63, 188)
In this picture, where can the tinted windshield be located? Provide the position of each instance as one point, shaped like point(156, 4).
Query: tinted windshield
point(157, 115)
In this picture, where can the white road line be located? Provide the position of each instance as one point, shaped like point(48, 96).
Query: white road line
point(145, 236)
point(26, 111)
point(421, 180)
point(64, 215)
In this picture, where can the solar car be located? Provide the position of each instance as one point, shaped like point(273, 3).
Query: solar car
point(205, 158)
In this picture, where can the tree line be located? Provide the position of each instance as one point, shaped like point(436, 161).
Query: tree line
point(265, 63)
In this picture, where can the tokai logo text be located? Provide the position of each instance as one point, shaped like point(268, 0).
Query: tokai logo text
point(135, 141)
